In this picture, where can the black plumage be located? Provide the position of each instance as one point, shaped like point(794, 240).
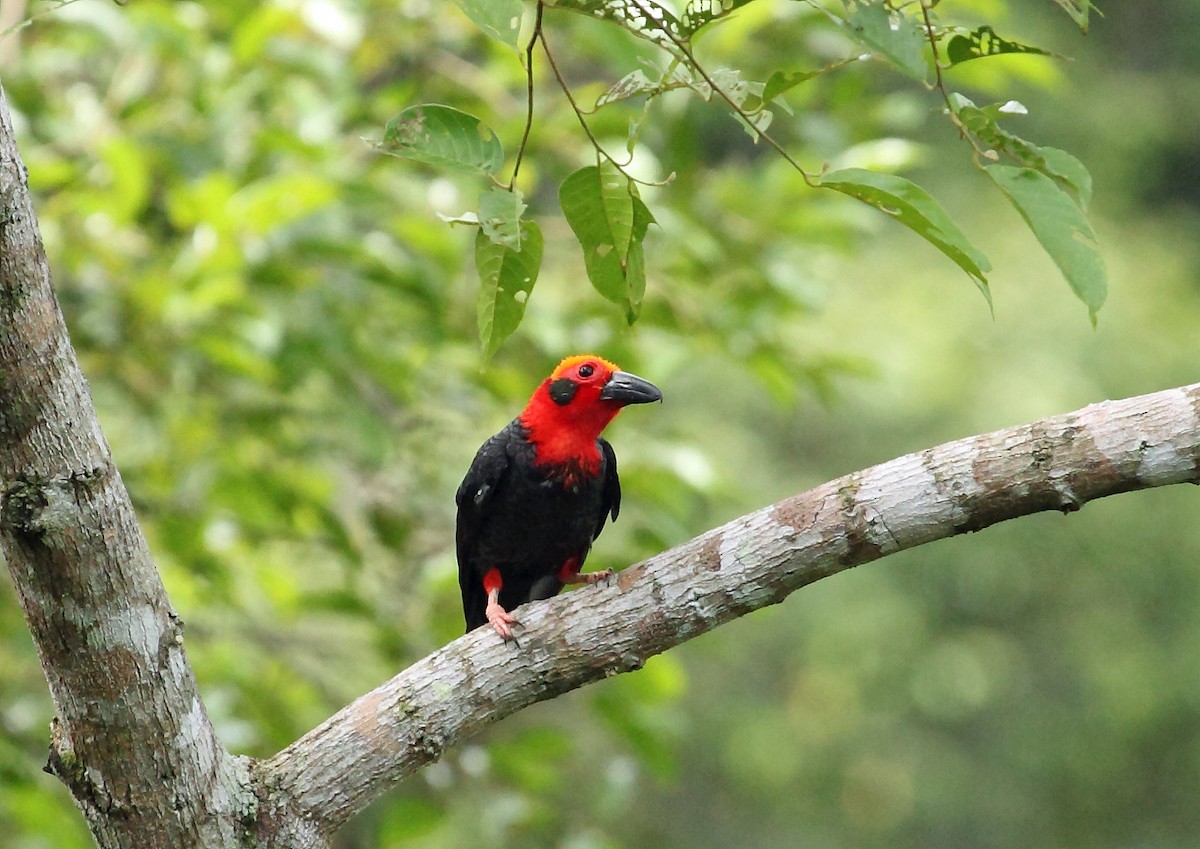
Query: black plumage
point(526, 520)
point(540, 490)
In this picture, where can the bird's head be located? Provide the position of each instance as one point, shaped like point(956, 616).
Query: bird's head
point(576, 402)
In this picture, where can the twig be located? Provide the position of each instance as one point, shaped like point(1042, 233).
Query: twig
point(562, 83)
point(940, 85)
point(34, 18)
point(733, 104)
point(537, 30)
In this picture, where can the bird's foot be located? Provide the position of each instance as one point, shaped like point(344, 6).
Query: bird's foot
point(501, 621)
point(602, 576)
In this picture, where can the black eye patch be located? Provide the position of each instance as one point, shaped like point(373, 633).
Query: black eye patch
point(562, 390)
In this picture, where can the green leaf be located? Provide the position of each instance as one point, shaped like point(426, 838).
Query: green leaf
point(982, 121)
point(610, 222)
point(633, 84)
point(650, 21)
point(913, 207)
point(1060, 226)
point(781, 81)
point(636, 83)
point(653, 20)
point(506, 280)
point(747, 94)
point(700, 13)
point(1068, 170)
point(1060, 166)
point(501, 19)
point(982, 42)
point(617, 199)
point(728, 80)
point(500, 216)
point(636, 263)
point(442, 135)
point(894, 35)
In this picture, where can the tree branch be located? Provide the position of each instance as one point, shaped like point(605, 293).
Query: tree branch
point(131, 739)
point(1054, 464)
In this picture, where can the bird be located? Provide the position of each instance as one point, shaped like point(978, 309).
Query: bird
point(540, 491)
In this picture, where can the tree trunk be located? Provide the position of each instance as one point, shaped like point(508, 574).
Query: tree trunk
point(131, 739)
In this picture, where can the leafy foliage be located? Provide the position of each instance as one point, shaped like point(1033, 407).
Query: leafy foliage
point(603, 208)
point(1051, 190)
point(652, 20)
point(1060, 166)
point(982, 42)
point(913, 207)
point(445, 136)
point(637, 84)
point(1061, 228)
point(892, 34)
point(500, 217)
point(508, 270)
point(906, 37)
point(501, 19)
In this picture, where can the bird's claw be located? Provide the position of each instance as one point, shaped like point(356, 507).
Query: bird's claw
point(501, 621)
point(601, 577)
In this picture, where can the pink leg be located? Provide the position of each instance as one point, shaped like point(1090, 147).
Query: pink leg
point(499, 618)
point(569, 573)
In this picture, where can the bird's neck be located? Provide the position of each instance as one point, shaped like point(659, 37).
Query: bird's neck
point(566, 436)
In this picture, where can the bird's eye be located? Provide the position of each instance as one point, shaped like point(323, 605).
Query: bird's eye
point(586, 370)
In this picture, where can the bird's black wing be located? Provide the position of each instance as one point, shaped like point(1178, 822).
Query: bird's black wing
point(610, 496)
point(487, 475)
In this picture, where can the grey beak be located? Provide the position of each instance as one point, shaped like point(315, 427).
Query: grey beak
point(626, 388)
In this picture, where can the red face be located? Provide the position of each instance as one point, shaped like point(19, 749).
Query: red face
point(575, 385)
point(575, 403)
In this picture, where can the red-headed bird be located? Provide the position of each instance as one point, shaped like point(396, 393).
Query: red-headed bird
point(540, 490)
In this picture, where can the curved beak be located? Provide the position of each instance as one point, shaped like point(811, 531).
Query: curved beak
point(626, 388)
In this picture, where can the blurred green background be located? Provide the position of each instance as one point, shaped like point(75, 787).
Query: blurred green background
point(279, 335)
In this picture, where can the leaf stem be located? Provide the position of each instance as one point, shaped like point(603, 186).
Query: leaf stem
point(537, 30)
point(579, 115)
point(940, 85)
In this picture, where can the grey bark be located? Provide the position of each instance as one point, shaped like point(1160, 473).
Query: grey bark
point(131, 739)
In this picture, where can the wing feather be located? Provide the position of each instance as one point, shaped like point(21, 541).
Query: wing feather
point(487, 474)
point(610, 497)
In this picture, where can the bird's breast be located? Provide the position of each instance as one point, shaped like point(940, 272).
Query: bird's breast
point(542, 518)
